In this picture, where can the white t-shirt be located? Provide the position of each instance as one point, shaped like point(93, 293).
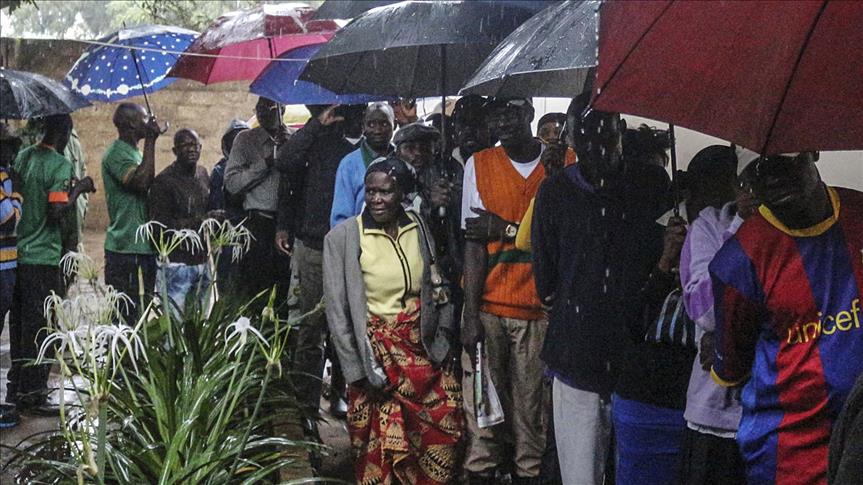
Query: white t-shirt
point(470, 194)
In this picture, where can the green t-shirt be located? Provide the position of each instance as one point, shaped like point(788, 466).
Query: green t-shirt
point(127, 210)
point(45, 177)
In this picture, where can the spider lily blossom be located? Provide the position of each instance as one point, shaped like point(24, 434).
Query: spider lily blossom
point(79, 264)
point(225, 234)
point(239, 331)
point(166, 241)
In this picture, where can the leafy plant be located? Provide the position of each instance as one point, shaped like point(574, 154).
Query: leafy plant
point(178, 398)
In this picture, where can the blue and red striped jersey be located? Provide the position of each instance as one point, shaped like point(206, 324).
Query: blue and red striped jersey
point(788, 323)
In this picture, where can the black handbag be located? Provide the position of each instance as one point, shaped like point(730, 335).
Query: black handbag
point(673, 326)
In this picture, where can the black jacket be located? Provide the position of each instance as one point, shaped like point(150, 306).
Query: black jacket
point(593, 248)
point(308, 166)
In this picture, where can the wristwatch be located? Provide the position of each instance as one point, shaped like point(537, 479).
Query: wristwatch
point(510, 231)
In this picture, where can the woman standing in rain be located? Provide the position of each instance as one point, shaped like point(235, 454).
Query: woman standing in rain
point(391, 324)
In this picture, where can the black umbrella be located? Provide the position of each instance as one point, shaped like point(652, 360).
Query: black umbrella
point(549, 55)
point(346, 9)
point(415, 49)
point(25, 95)
point(341, 9)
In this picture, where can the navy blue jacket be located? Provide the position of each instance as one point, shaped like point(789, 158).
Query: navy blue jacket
point(594, 248)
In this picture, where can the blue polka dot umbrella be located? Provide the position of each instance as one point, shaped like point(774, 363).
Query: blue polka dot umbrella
point(107, 73)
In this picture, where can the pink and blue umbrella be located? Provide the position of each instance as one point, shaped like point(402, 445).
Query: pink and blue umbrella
point(280, 82)
point(128, 63)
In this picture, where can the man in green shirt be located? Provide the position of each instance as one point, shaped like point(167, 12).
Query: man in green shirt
point(73, 231)
point(127, 175)
point(49, 199)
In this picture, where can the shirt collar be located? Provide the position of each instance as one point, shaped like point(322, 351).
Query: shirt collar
point(370, 155)
point(369, 223)
point(815, 230)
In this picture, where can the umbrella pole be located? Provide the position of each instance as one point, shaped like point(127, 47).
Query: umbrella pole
point(443, 88)
point(278, 105)
point(675, 183)
point(140, 77)
point(444, 144)
point(141, 80)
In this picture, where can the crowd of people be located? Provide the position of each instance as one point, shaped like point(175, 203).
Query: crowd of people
point(516, 308)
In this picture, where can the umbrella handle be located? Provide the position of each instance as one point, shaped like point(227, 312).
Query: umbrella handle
point(675, 183)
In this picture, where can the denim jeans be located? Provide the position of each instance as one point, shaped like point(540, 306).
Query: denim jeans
point(180, 281)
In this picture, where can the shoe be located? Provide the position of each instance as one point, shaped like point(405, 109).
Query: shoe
point(338, 408)
point(9, 417)
point(310, 430)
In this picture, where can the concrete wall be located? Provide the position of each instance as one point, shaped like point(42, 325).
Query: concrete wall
point(185, 104)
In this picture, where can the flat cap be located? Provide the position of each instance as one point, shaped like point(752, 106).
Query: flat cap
point(416, 132)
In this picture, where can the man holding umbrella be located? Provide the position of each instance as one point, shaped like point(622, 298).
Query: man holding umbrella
point(127, 175)
point(312, 157)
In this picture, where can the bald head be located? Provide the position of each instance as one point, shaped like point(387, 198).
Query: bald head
point(187, 147)
point(130, 120)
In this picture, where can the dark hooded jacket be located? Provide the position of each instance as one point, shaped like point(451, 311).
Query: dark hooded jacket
point(219, 198)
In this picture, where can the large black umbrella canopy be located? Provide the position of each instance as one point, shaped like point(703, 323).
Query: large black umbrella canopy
point(347, 9)
point(25, 95)
point(549, 55)
point(341, 9)
point(413, 48)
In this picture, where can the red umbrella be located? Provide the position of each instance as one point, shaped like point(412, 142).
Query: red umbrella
point(246, 41)
point(771, 76)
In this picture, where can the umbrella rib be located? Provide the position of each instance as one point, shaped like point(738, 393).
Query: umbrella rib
point(635, 45)
point(772, 125)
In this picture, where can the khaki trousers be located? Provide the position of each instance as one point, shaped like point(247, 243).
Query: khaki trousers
point(512, 349)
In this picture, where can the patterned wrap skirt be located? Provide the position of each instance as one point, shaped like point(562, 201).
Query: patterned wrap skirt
point(412, 435)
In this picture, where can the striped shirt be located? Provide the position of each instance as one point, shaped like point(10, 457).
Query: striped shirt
point(788, 324)
point(10, 214)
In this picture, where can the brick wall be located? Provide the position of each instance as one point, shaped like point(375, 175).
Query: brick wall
point(185, 104)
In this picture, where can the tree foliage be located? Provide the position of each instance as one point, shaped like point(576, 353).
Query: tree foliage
point(96, 18)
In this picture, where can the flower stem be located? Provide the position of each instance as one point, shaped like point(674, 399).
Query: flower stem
point(251, 421)
point(101, 446)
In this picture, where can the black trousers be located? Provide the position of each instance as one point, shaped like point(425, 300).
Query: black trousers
point(710, 460)
point(121, 272)
point(263, 266)
point(27, 331)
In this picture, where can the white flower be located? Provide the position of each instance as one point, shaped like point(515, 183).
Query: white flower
point(241, 329)
point(188, 238)
point(224, 234)
point(64, 340)
point(119, 338)
point(78, 263)
point(145, 231)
